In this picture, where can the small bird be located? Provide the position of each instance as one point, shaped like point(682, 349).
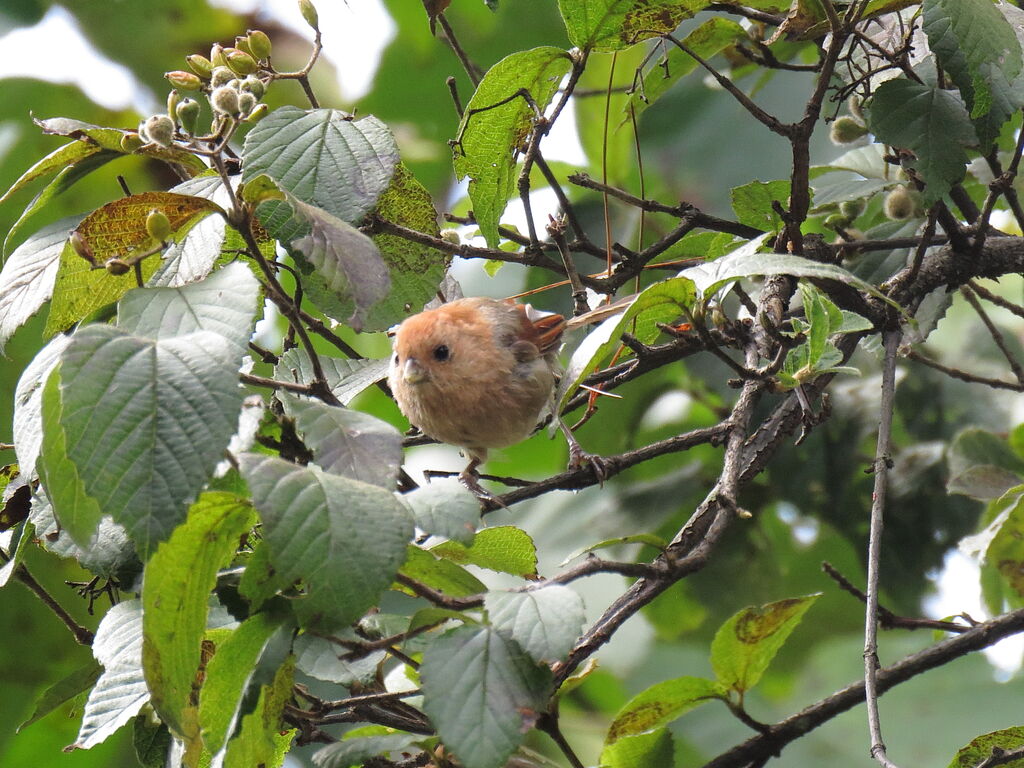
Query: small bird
point(478, 373)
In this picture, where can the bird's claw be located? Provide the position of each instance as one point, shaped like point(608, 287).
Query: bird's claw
point(471, 480)
point(580, 459)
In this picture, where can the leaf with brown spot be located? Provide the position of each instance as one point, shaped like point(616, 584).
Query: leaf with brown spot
point(745, 644)
point(661, 704)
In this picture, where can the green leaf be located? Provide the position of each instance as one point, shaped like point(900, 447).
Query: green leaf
point(152, 741)
point(343, 268)
point(660, 704)
point(610, 25)
point(79, 681)
point(345, 378)
point(348, 443)
point(416, 270)
point(652, 749)
point(260, 581)
point(117, 230)
point(709, 38)
point(321, 658)
point(545, 622)
point(346, 539)
point(22, 534)
point(121, 690)
point(976, 45)
point(491, 136)
point(505, 548)
point(175, 596)
point(983, 747)
point(322, 157)
point(662, 302)
point(482, 693)
point(931, 122)
point(637, 538)
point(746, 643)
point(439, 574)
point(161, 412)
point(262, 739)
point(357, 751)
point(28, 403)
point(753, 203)
point(446, 508)
point(26, 282)
point(982, 465)
point(1005, 553)
point(228, 674)
point(60, 158)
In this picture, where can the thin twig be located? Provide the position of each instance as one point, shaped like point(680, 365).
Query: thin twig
point(996, 299)
point(881, 470)
point(82, 635)
point(956, 373)
point(467, 64)
point(994, 332)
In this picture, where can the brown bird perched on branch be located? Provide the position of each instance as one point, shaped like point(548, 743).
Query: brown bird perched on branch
point(478, 373)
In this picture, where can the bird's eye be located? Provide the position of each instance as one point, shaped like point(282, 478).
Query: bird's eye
point(395, 359)
point(441, 353)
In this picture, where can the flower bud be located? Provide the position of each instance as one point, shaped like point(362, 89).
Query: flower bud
point(131, 141)
point(158, 225)
point(246, 103)
point(217, 56)
point(201, 65)
point(254, 85)
point(242, 44)
point(308, 11)
point(188, 115)
point(451, 236)
point(257, 114)
point(836, 220)
point(80, 246)
point(221, 76)
point(225, 100)
point(899, 204)
point(851, 209)
point(240, 62)
point(117, 266)
point(185, 81)
point(846, 130)
point(160, 130)
point(172, 105)
point(259, 44)
point(854, 104)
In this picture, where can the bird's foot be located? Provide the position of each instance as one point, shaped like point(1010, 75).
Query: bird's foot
point(580, 459)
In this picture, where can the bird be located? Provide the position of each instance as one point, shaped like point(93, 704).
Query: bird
point(479, 373)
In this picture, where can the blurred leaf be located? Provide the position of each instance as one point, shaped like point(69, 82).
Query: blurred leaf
point(325, 159)
point(345, 378)
point(637, 538)
point(178, 581)
point(1005, 553)
point(981, 465)
point(344, 538)
point(662, 703)
point(505, 548)
point(482, 693)
point(117, 230)
point(745, 645)
point(26, 282)
point(651, 749)
point(445, 507)
point(985, 747)
point(442, 575)
point(609, 25)
point(977, 47)
point(79, 681)
point(931, 122)
point(545, 622)
point(152, 741)
point(753, 204)
point(262, 739)
point(346, 442)
point(320, 657)
point(357, 751)
point(496, 124)
point(109, 139)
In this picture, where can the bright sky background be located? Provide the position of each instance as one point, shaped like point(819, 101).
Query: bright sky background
point(355, 34)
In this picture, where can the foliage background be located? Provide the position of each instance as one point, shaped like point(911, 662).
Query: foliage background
point(698, 145)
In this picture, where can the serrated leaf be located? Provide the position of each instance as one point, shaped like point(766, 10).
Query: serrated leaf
point(490, 137)
point(653, 749)
point(121, 690)
point(505, 548)
point(442, 575)
point(345, 378)
point(26, 282)
point(753, 203)
point(610, 25)
point(196, 254)
point(320, 658)
point(262, 740)
point(446, 508)
point(976, 45)
point(931, 122)
point(709, 38)
point(357, 751)
point(117, 230)
point(745, 644)
point(983, 747)
point(322, 157)
point(660, 704)
point(175, 595)
point(416, 270)
point(482, 693)
point(228, 674)
point(346, 442)
point(344, 538)
point(546, 622)
point(146, 421)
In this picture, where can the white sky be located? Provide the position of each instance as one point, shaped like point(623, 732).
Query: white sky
point(355, 35)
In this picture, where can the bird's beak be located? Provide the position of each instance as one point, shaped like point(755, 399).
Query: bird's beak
point(413, 372)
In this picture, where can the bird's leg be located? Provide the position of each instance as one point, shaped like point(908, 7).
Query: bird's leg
point(579, 458)
point(470, 478)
